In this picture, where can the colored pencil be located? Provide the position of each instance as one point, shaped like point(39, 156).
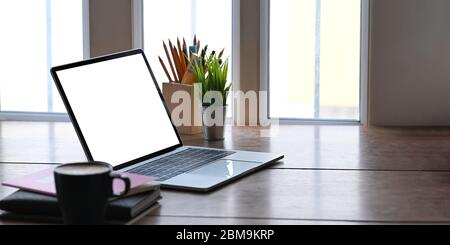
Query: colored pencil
point(165, 69)
point(170, 63)
point(176, 61)
point(180, 57)
point(185, 53)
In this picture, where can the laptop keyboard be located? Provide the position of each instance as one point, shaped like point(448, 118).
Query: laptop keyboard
point(179, 163)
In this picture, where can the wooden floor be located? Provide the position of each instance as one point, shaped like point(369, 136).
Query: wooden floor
point(331, 175)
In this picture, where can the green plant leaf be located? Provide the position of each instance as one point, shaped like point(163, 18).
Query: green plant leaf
point(212, 72)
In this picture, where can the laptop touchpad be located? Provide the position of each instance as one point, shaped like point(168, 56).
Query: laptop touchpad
point(211, 174)
point(225, 168)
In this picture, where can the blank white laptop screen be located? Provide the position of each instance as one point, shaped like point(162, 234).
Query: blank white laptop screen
point(118, 109)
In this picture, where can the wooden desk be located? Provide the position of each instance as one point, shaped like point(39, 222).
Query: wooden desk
point(331, 175)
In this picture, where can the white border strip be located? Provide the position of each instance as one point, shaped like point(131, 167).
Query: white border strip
point(34, 117)
point(86, 30)
point(264, 45)
point(138, 24)
point(364, 79)
point(236, 52)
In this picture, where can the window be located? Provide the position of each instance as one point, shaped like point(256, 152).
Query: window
point(210, 20)
point(315, 59)
point(36, 35)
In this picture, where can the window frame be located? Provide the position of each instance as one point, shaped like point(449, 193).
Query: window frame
point(364, 68)
point(53, 116)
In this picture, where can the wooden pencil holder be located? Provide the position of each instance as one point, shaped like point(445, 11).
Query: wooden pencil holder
point(195, 127)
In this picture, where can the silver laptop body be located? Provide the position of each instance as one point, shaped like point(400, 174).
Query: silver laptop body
point(120, 117)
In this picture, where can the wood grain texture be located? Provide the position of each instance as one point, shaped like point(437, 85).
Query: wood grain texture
point(174, 220)
point(305, 147)
point(39, 142)
point(323, 196)
point(296, 196)
point(346, 147)
point(331, 175)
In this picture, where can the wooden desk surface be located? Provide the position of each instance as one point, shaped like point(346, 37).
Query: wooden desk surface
point(331, 175)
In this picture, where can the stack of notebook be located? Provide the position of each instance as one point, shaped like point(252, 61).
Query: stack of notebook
point(36, 200)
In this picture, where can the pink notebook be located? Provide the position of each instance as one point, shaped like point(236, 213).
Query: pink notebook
point(43, 182)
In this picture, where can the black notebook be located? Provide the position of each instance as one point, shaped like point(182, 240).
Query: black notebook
point(33, 204)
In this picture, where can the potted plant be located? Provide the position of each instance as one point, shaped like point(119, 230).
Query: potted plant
point(211, 74)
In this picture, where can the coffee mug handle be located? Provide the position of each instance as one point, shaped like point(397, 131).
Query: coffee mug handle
point(125, 180)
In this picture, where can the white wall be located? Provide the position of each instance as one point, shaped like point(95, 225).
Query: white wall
point(410, 63)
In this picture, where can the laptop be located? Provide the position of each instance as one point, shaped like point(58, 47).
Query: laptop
point(120, 117)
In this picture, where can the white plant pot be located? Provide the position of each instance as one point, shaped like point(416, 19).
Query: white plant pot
point(214, 125)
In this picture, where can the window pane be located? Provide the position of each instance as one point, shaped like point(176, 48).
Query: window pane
point(213, 24)
point(67, 46)
point(292, 58)
point(340, 59)
point(159, 27)
point(23, 60)
point(36, 36)
point(209, 19)
point(315, 59)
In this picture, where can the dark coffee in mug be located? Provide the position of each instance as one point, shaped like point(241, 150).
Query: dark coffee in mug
point(83, 191)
